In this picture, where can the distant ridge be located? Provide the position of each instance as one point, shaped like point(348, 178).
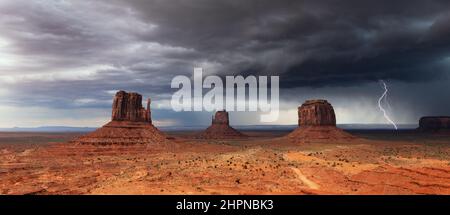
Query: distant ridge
point(375, 126)
point(201, 127)
point(48, 129)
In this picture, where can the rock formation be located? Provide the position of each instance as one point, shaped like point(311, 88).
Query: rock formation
point(316, 112)
point(220, 128)
point(317, 123)
point(128, 107)
point(221, 118)
point(130, 124)
point(434, 124)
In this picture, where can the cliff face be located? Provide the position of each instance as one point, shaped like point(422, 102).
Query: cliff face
point(128, 107)
point(316, 113)
point(317, 123)
point(221, 118)
point(434, 123)
point(131, 124)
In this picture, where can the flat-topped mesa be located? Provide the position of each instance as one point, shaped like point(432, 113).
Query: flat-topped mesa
point(221, 118)
point(128, 107)
point(316, 113)
point(434, 123)
point(317, 123)
point(131, 124)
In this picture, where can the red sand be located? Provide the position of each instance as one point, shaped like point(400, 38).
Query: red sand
point(256, 165)
point(328, 134)
point(124, 133)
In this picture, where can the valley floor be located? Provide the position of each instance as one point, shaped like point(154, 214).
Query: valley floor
point(265, 163)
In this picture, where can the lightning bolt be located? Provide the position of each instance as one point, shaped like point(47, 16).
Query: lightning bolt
point(384, 95)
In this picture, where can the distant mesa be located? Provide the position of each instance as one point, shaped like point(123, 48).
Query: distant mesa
point(221, 118)
point(220, 128)
point(434, 124)
point(317, 122)
point(131, 124)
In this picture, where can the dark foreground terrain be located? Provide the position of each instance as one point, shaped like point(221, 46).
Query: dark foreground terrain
point(379, 162)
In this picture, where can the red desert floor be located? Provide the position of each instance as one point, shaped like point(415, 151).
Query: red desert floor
point(264, 163)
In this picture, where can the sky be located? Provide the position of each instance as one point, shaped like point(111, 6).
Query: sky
point(61, 61)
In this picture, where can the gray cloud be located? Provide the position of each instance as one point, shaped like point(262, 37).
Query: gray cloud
point(311, 43)
point(73, 54)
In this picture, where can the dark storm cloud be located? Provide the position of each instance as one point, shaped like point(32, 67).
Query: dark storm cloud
point(75, 54)
point(310, 43)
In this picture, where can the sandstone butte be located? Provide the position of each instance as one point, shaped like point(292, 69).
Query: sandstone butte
point(317, 122)
point(434, 124)
point(220, 128)
point(130, 124)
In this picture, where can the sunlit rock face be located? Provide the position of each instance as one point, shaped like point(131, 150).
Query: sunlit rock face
point(316, 113)
point(317, 123)
point(131, 124)
point(128, 107)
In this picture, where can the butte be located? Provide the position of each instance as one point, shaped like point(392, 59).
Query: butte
point(220, 128)
point(435, 124)
point(131, 124)
point(317, 123)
